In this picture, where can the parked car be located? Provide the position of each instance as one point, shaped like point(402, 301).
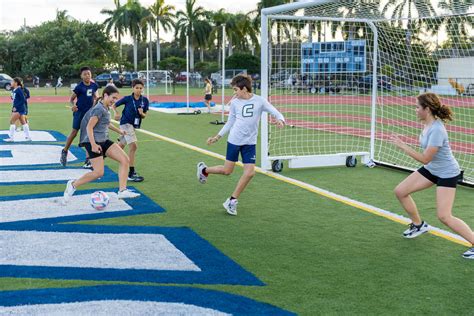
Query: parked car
point(365, 83)
point(181, 77)
point(127, 78)
point(104, 78)
point(5, 81)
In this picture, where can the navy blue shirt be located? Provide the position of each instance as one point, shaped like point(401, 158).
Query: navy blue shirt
point(27, 95)
point(85, 95)
point(130, 112)
point(18, 100)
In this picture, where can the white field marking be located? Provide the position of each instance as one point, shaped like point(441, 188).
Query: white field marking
point(214, 110)
point(36, 136)
point(32, 155)
point(333, 196)
point(111, 307)
point(92, 250)
point(13, 176)
point(42, 208)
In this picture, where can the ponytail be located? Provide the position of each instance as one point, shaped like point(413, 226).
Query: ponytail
point(18, 81)
point(439, 110)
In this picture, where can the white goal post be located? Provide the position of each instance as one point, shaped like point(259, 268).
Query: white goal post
point(345, 74)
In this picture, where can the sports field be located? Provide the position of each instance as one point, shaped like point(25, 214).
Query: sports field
point(312, 253)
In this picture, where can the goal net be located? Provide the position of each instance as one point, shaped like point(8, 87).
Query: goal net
point(346, 75)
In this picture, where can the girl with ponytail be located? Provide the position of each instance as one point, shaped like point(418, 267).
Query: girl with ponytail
point(18, 110)
point(439, 167)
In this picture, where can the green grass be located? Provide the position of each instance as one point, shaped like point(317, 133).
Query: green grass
point(316, 255)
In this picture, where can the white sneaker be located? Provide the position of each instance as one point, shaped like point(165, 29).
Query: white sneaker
point(18, 129)
point(127, 194)
point(9, 139)
point(414, 231)
point(231, 206)
point(469, 254)
point(200, 175)
point(69, 192)
point(28, 139)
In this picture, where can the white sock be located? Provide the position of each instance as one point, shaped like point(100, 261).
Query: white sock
point(12, 131)
point(26, 130)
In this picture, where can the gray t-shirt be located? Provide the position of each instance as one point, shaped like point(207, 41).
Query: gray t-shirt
point(101, 129)
point(443, 165)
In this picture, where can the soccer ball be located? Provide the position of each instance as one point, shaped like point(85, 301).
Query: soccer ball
point(99, 200)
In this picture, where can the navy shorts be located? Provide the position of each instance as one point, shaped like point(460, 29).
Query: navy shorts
point(440, 182)
point(248, 153)
point(104, 145)
point(76, 119)
point(208, 97)
point(22, 111)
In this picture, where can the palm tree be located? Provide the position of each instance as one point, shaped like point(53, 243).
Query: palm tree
point(115, 22)
point(163, 19)
point(457, 30)
point(187, 24)
point(135, 22)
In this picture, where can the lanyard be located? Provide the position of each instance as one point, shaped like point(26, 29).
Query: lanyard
point(140, 100)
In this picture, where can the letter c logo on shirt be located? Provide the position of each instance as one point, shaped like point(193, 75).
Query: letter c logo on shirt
point(89, 92)
point(247, 110)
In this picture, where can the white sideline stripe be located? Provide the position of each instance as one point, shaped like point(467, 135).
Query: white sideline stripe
point(333, 196)
point(41, 208)
point(12, 176)
point(92, 250)
point(110, 307)
point(36, 136)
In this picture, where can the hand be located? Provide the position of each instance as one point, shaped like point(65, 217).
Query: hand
point(117, 117)
point(212, 140)
point(123, 133)
point(280, 124)
point(140, 111)
point(394, 139)
point(74, 108)
point(96, 148)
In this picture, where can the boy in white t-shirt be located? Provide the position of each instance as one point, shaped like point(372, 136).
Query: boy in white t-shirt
point(245, 111)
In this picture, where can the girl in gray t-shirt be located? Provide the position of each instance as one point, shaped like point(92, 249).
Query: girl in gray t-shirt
point(439, 167)
point(95, 139)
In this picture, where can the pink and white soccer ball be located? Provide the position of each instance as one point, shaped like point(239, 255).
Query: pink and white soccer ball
point(99, 200)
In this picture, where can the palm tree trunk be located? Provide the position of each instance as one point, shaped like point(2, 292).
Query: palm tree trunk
point(191, 56)
point(201, 54)
point(120, 45)
point(135, 54)
point(231, 51)
point(150, 48)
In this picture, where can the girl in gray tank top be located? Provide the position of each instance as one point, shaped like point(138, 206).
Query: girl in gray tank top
point(95, 138)
point(439, 167)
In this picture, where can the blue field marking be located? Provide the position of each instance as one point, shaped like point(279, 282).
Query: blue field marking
point(59, 137)
point(211, 299)
point(34, 154)
point(109, 175)
point(6, 154)
point(216, 268)
point(140, 205)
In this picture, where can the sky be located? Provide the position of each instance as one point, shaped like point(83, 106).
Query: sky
point(14, 12)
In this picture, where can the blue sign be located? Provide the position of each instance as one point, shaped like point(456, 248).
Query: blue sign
point(333, 57)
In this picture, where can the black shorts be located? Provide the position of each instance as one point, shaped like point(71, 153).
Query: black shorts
point(440, 182)
point(208, 97)
point(105, 146)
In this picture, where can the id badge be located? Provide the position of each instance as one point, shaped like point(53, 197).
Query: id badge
point(137, 121)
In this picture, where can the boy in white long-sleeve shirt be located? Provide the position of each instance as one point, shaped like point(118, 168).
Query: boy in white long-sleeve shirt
point(244, 117)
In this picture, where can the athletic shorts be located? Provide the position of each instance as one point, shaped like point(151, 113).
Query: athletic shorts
point(104, 145)
point(440, 182)
point(208, 97)
point(130, 137)
point(23, 111)
point(76, 119)
point(248, 153)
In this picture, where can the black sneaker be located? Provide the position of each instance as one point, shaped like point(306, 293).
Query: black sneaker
point(414, 231)
point(87, 164)
point(135, 177)
point(63, 159)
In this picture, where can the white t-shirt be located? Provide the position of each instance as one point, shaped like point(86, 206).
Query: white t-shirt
point(244, 119)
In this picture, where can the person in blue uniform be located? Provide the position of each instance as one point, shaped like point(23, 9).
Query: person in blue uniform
point(18, 110)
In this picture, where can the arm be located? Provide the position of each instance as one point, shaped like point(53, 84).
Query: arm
point(115, 106)
point(227, 127)
point(267, 107)
point(71, 102)
point(115, 129)
point(425, 157)
point(90, 133)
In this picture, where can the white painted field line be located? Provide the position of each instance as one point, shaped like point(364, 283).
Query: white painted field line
point(333, 196)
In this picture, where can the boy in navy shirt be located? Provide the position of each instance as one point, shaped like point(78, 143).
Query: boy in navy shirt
point(86, 94)
point(136, 106)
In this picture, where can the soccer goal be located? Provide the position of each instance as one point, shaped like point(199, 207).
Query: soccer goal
point(346, 75)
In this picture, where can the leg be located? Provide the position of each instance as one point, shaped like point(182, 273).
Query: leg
point(444, 203)
point(249, 173)
point(226, 169)
point(117, 154)
point(70, 139)
point(413, 183)
point(98, 165)
point(13, 118)
point(132, 150)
